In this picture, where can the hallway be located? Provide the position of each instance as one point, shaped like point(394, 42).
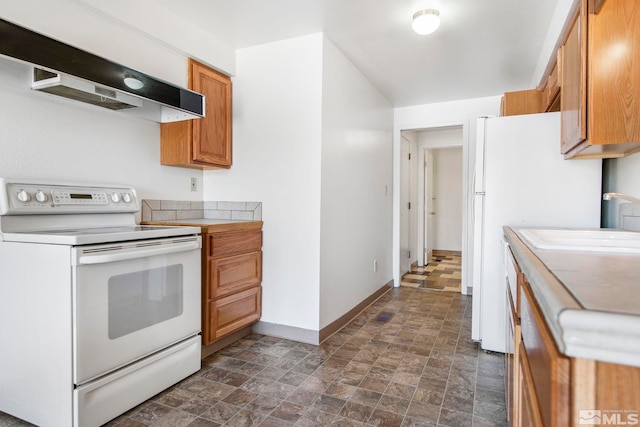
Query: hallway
point(417, 368)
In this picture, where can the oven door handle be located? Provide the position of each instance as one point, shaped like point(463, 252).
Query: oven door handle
point(103, 258)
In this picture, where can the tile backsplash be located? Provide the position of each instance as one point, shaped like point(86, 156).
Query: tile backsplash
point(171, 210)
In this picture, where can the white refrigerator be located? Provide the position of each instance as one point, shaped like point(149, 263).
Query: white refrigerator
point(521, 179)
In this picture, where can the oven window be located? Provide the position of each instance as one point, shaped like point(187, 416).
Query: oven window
point(144, 298)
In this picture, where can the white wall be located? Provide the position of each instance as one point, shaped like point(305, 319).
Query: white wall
point(277, 108)
point(447, 164)
point(312, 141)
point(450, 136)
point(356, 175)
point(464, 113)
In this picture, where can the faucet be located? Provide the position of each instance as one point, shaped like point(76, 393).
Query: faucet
point(609, 196)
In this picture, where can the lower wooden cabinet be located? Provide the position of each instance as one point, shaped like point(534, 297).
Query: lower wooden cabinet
point(546, 388)
point(231, 282)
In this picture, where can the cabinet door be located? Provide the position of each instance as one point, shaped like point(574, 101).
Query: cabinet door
point(529, 411)
point(573, 71)
point(212, 134)
point(550, 371)
point(510, 385)
point(614, 80)
point(233, 312)
point(512, 360)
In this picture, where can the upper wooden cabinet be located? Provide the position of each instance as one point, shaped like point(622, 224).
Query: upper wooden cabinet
point(600, 85)
point(521, 102)
point(201, 143)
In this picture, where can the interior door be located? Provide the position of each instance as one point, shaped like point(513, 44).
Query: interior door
point(429, 204)
point(405, 229)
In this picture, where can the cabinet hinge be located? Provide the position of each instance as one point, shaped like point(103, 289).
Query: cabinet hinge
point(409, 204)
point(409, 254)
point(409, 156)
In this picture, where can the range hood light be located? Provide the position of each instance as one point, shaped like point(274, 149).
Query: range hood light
point(133, 83)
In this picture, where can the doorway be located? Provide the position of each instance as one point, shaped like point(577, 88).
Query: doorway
point(437, 191)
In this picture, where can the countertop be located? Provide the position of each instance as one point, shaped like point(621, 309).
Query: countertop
point(212, 225)
point(590, 300)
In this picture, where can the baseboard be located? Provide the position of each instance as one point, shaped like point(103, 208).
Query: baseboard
point(293, 333)
point(287, 332)
point(344, 320)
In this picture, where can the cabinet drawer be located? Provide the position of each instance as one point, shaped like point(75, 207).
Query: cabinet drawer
point(221, 244)
point(233, 312)
point(233, 273)
point(549, 369)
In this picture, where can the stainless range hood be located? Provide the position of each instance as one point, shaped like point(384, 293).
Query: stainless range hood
point(67, 71)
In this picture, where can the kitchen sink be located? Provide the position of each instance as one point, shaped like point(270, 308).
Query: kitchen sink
point(597, 240)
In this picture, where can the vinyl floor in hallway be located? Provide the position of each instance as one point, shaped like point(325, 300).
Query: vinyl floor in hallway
point(419, 368)
point(443, 273)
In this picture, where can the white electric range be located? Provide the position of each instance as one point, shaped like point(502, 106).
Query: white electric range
point(97, 313)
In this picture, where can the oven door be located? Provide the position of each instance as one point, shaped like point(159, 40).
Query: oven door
point(131, 299)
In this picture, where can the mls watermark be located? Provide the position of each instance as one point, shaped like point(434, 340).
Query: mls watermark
point(609, 417)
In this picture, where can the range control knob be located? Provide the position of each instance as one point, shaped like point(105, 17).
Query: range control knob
point(23, 196)
point(126, 197)
point(115, 197)
point(41, 197)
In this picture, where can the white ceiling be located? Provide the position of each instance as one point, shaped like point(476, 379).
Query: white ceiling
point(482, 48)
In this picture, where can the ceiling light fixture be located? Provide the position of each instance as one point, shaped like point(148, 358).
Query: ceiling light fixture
point(426, 21)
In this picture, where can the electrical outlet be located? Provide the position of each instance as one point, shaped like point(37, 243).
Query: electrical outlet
point(375, 265)
point(194, 184)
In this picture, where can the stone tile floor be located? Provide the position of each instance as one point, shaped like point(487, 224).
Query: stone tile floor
point(419, 368)
point(443, 272)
